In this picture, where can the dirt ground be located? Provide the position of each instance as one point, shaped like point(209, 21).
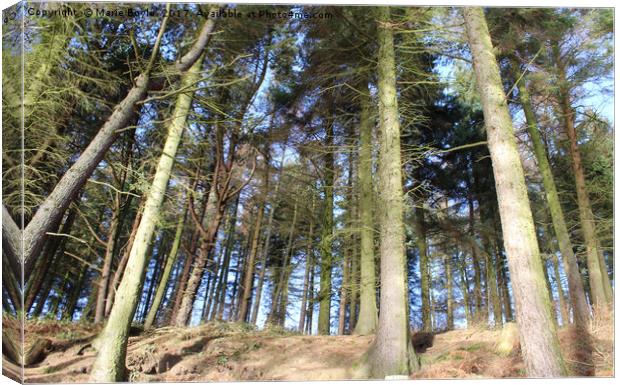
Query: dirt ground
point(236, 352)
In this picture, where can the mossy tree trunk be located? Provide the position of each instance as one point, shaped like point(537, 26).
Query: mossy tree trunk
point(367, 319)
point(327, 234)
point(345, 288)
point(391, 352)
point(109, 365)
point(539, 342)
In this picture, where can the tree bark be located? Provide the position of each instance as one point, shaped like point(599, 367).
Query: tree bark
point(492, 286)
point(539, 342)
point(109, 366)
point(391, 352)
point(69, 309)
point(327, 234)
point(367, 318)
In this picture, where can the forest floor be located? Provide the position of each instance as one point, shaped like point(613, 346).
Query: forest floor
point(236, 352)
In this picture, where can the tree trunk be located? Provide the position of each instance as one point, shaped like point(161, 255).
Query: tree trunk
point(575, 285)
point(346, 286)
point(120, 269)
point(309, 263)
point(56, 203)
point(464, 286)
point(71, 304)
point(599, 286)
point(367, 319)
point(265, 249)
point(200, 263)
point(181, 282)
point(493, 297)
point(327, 234)
point(170, 261)
point(109, 366)
point(505, 292)
point(355, 284)
point(558, 284)
point(55, 250)
point(391, 353)
point(107, 261)
point(160, 259)
point(420, 231)
point(539, 342)
point(348, 241)
point(480, 313)
point(282, 297)
point(311, 300)
point(554, 311)
point(222, 283)
point(209, 292)
point(248, 279)
point(232, 314)
point(450, 294)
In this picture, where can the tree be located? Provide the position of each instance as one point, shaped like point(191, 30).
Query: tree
point(367, 319)
point(391, 352)
point(597, 272)
point(110, 362)
point(54, 206)
point(576, 291)
point(539, 342)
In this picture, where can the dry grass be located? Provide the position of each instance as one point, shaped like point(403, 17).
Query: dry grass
point(222, 351)
point(602, 332)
